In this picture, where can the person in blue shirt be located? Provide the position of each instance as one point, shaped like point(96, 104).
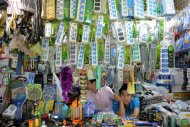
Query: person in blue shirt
point(127, 104)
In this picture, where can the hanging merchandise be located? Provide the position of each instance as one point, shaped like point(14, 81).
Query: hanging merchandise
point(167, 7)
point(139, 9)
point(126, 75)
point(66, 82)
point(19, 96)
point(43, 7)
point(129, 32)
point(73, 54)
point(60, 34)
point(98, 76)
point(58, 60)
point(120, 63)
point(113, 10)
point(120, 32)
point(136, 53)
point(131, 84)
point(152, 57)
point(113, 53)
point(151, 8)
point(127, 54)
point(80, 61)
point(144, 56)
point(88, 12)
point(86, 34)
point(73, 4)
point(171, 56)
point(80, 11)
point(66, 9)
point(94, 53)
point(107, 50)
point(97, 6)
point(158, 56)
point(127, 7)
point(144, 32)
point(99, 30)
point(73, 32)
point(87, 54)
point(60, 10)
point(49, 94)
point(83, 84)
point(50, 9)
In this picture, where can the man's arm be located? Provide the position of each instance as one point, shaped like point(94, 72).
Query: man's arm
point(121, 111)
point(135, 113)
point(136, 107)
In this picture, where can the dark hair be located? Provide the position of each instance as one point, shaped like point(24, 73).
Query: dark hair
point(123, 87)
point(92, 80)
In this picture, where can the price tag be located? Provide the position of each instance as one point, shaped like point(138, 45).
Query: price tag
point(60, 10)
point(139, 9)
point(58, 61)
point(60, 34)
point(86, 33)
point(94, 53)
point(120, 32)
point(73, 52)
point(120, 63)
point(81, 10)
point(73, 32)
point(112, 10)
point(48, 30)
point(136, 53)
point(99, 26)
point(151, 7)
point(81, 57)
point(107, 50)
point(97, 6)
point(73, 4)
point(129, 32)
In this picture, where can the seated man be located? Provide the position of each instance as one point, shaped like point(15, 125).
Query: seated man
point(129, 106)
point(102, 98)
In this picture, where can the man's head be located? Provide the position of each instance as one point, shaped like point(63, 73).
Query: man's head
point(125, 96)
point(91, 85)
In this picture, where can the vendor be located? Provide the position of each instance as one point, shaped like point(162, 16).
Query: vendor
point(102, 98)
point(129, 105)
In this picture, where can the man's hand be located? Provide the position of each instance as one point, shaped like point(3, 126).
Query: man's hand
point(117, 98)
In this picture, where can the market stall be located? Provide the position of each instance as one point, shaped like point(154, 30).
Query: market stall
point(94, 63)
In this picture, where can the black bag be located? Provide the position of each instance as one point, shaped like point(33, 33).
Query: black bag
point(3, 4)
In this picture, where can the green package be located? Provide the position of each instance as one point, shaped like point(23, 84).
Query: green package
point(98, 78)
point(100, 50)
point(65, 52)
point(66, 9)
point(79, 32)
point(88, 12)
point(86, 53)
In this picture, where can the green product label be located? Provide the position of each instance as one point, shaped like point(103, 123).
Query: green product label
point(66, 9)
point(98, 79)
point(157, 56)
point(65, 52)
point(88, 12)
point(127, 54)
point(106, 22)
point(100, 51)
point(86, 54)
point(79, 33)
